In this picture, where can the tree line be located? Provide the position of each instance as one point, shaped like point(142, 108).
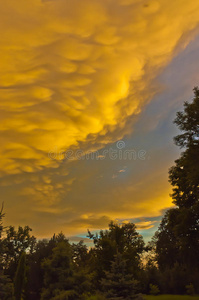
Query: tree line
point(119, 265)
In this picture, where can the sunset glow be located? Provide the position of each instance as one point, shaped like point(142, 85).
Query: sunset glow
point(81, 75)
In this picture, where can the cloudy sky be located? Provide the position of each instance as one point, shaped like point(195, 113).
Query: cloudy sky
point(88, 93)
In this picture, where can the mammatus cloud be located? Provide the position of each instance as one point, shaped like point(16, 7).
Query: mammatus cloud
point(70, 69)
point(77, 72)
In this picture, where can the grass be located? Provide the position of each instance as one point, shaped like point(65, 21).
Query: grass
point(171, 297)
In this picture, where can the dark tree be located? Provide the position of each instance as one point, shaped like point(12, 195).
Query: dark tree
point(16, 242)
point(6, 286)
point(184, 175)
point(177, 239)
point(35, 273)
point(65, 275)
point(187, 121)
point(122, 239)
point(19, 281)
point(118, 284)
point(58, 271)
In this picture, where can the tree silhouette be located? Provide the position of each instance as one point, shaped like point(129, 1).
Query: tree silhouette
point(19, 281)
point(122, 239)
point(177, 239)
point(184, 175)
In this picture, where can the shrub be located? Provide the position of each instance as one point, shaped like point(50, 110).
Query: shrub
point(190, 289)
point(154, 290)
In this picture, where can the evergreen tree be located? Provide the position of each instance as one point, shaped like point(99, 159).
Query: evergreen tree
point(19, 281)
point(118, 284)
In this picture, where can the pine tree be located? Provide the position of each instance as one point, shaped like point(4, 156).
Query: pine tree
point(20, 277)
point(118, 284)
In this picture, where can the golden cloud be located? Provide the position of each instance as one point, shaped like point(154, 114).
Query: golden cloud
point(74, 73)
point(70, 69)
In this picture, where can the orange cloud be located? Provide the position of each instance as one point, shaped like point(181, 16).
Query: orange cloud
point(73, 69)
point(76, 73)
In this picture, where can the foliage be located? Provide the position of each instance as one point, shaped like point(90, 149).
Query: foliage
point(171, 297)
point(6, 285)
point(118, 284)
point(190, 289)
point(19, 280)
point(177, 239)
point(122, 239)
point(16, 242)
point(97, 296)
point(187, 122)
point(57, 271)
point(6, 288)
point(154, 290)
point(184, 175)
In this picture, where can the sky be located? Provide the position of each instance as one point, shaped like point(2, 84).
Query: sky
point(88, 94)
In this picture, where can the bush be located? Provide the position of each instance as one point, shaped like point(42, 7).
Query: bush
point(138, 297)
point(154, 289)
point(190, 289)
point(6, 288)
point(94, 297)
